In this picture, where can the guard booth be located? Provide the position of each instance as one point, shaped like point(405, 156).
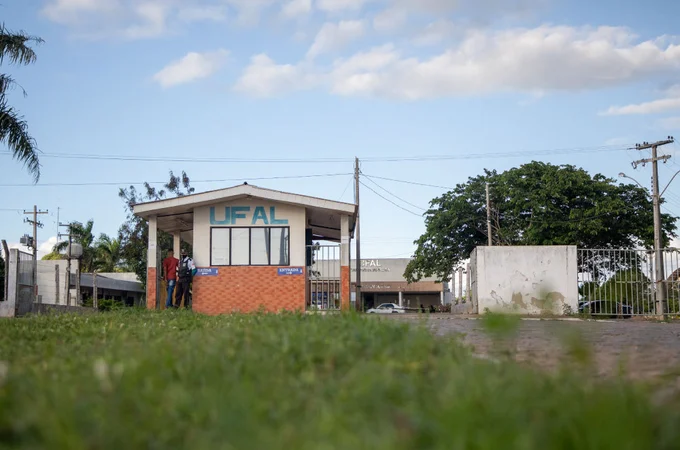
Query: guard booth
point(254, 247)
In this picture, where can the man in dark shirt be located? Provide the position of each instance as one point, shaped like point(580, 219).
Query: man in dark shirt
point(170, 275)
point(185, 272)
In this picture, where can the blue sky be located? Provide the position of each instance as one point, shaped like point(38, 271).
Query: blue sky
point(315, 79)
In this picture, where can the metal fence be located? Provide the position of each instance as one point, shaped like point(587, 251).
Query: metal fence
point(623, 283)
point(324, 277)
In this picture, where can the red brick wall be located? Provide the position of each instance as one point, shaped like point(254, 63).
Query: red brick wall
point(245, 289)
point(150, 288)
point(344, 288)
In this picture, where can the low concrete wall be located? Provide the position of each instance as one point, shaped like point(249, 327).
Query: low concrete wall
point(529, 280)
point(60, 309)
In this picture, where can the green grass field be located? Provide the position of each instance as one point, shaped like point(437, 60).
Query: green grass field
point(135, 379)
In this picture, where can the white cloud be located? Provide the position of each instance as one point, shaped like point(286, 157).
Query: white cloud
point(192, 67)
point(653, 107)
point(152, 18)
point(264, 78)
point(340, 5)
point(333, 36)
point(72, 11)
point(133, 19)
point(542, 59)
point(296, 8)
point(390, 19)
point(196, 13)
point(436, 32)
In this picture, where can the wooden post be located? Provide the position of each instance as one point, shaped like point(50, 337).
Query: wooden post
point(95, 304)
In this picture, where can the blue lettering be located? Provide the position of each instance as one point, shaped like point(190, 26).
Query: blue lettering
point(260, 215)
point(214, 221)
point(236, 213)
point(274, 220)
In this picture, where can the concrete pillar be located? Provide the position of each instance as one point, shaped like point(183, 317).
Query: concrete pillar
point(460, 282)
point(401, 299)
point(345, 282)
point(152, 266)
point(441, 298)
point(176, 244)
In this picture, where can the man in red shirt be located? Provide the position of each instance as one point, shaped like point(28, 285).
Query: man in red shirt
point(170, 276)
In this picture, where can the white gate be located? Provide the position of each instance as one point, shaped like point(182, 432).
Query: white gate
point(625, 283)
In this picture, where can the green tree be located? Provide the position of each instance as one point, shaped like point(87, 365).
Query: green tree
point(15, 49)
point(81, 234)
point(109, 254)
point(534, 204)
point(134, 233)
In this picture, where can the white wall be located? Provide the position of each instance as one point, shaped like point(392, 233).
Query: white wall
point(295, 216)
point(526, 280)
point(46, 281)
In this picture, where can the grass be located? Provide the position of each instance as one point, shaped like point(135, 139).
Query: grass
point(131, 379)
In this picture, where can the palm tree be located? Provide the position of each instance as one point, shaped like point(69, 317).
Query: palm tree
point(82, 234)
point(109, 254)
point(13, 128)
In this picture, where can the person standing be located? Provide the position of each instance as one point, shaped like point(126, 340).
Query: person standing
point(170, 264)
point(185, 271)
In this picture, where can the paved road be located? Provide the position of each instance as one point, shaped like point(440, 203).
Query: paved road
point(647, 349)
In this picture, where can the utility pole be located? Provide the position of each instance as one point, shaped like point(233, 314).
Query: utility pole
point(359, 299)
point(658, 232)
point(35, 224)
point(488, 216)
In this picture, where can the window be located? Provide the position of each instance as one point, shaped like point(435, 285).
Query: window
point(261, 246)
point(240, 247)
point(219, 252)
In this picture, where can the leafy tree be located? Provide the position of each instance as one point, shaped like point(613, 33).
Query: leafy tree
point(14, 48)
point(109, 254)
point(82, 234)
point(629, 287)
point(134, 233)
point(534, 204)
point(103, 254)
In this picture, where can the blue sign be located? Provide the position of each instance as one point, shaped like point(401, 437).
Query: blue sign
point(290, 271)
point(206, 272)
point(234, 214)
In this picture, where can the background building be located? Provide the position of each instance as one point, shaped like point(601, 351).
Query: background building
point(382, 281)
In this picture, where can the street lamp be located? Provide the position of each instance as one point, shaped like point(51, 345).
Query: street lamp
point(623, 175)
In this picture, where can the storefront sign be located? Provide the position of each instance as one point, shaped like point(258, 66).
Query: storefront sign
point(207, 272)
point(283, 271)
point(245, 215)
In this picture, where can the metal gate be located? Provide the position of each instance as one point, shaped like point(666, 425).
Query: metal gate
point(624, 283)
point(324, 278)
point(25, 293)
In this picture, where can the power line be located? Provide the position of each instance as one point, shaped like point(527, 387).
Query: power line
point(326, 160)
point(346, 187)
point(127, 183)
point(393, 195)
point(387, 199)
point(409, 182)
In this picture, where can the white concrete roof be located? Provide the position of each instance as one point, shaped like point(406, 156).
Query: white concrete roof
point(187, 203)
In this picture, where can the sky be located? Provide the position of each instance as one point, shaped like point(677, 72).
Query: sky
point(124, 91)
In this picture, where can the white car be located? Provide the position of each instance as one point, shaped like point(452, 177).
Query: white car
point(387, 308)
